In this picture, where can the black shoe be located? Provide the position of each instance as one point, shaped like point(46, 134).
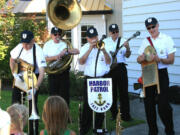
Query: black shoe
point(152, 133)
point(170, 133)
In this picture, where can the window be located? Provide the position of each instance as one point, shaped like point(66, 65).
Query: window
point(83, 33)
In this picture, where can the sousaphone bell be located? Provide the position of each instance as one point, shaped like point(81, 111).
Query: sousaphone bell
point(64, 14)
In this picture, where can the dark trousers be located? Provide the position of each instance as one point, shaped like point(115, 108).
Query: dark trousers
point(120, 88)
point(164, 108)
point(59, 84)
point(86, 119)
point(17, 98)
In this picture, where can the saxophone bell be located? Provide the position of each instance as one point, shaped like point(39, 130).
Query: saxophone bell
point(119, 128)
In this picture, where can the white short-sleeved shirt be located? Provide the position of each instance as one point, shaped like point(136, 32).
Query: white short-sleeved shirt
point(4, 118)
point(52, 49)
point(27, 55)
point(89, 66)
point(110, 45)
point(163, 44)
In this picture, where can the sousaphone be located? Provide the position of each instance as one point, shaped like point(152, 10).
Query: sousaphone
point(64, 14)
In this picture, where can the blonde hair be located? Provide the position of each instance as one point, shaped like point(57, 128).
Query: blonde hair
point(55, 115)
point(19, 116)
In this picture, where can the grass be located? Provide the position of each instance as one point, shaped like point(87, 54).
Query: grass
point(74, 112)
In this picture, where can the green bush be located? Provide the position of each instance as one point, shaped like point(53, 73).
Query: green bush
point(76, 84)
point(11, 25)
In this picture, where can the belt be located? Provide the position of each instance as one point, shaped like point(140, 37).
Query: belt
point(96, 77)
point(122, 64)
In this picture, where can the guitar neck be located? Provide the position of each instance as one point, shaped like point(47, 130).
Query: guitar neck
point(115, 53)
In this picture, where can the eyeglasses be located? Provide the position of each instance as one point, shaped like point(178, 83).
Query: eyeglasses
point(115, 32)
point(152, 27)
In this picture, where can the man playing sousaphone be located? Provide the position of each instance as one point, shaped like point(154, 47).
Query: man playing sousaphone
point(54, 50)
point(29, 54)
point(164, 48)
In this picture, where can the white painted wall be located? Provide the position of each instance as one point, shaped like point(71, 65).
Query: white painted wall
point(134, 13)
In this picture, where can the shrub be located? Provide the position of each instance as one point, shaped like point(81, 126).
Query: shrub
point(76, 84)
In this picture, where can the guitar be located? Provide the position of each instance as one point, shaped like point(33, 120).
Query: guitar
point(113, 54)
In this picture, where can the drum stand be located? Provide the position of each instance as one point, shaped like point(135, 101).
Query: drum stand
point(99, 131)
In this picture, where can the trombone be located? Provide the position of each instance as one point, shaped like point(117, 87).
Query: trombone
point(31, 80)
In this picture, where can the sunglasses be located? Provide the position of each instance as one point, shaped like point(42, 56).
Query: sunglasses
point(115, 32)
point(56, 34)
point(152, 27)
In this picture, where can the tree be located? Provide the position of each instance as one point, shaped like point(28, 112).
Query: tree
point(11, 25)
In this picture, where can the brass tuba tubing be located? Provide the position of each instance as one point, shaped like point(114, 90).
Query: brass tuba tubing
point(61, 65)
point(64, 14)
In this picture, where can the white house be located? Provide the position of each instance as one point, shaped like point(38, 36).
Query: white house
point(94, 13)
point(130, 16)
point(134, 13)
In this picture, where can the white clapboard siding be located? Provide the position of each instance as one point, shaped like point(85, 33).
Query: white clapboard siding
point(134, 13)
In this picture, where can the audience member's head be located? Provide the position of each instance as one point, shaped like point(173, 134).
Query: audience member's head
point(55, 115)
point(19, 117)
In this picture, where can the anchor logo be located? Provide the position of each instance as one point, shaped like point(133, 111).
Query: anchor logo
point(100, 100)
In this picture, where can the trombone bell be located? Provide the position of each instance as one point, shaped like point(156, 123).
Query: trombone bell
point(34, 116)
point(100, 45)
point(64, 14)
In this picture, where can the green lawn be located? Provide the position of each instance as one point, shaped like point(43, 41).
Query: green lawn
point(74, 111)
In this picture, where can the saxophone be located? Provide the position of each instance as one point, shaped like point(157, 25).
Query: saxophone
point(119, 128)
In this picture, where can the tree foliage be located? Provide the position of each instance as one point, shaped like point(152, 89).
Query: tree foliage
point(11, 25)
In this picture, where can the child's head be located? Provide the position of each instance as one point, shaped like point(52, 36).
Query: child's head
point(19, 116)
point(55, 114)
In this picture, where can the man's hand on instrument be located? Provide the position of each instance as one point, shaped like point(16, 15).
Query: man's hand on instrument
point(62, 53)
point(141, 58)
point(18, 77)
point(93, 44)
point(156, 58)
point(29, 94)
point(126, 44)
